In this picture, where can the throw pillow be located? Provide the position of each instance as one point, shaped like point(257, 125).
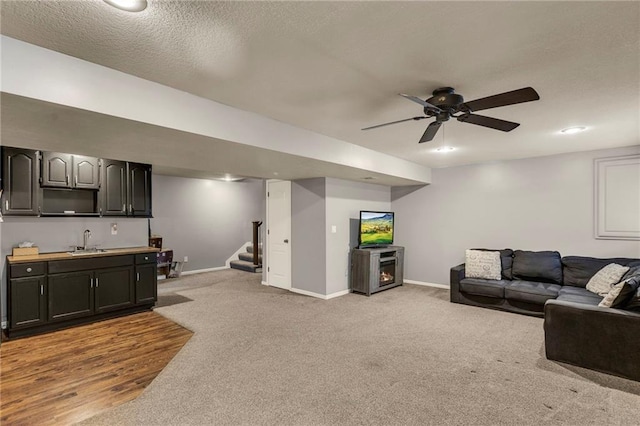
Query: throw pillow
point(538, 266)
point(605, 278)
point(634, 302)
point(506, 261)
point(620, 293)
point(483, 264)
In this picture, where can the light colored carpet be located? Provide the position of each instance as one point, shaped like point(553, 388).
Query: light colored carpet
point(405, 356)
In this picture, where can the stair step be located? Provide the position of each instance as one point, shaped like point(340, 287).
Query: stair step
point(245, 266)
point(249, 257)
point(250, 248)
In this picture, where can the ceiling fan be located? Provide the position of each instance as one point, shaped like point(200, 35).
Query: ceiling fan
point(444, 104)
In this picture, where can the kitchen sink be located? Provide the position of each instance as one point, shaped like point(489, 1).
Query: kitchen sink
point(82, 252)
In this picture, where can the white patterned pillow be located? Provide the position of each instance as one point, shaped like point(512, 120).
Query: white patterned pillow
point(606, 278)
point(483, 264)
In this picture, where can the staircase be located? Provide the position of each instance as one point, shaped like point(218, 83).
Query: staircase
point(245, 260)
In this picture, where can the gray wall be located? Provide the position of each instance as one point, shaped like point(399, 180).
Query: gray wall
point(543, 203)
point(344, 200)
point(308, 238)
point(206, 220)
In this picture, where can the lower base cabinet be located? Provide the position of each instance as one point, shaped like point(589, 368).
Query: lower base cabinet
point(70, 295)
point(114, 289)
point(75, 291)
point(28, 302)
point(146, 283)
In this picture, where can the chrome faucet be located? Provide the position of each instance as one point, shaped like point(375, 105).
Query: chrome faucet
point(87, 235)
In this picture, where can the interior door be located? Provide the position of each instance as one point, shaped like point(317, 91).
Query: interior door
point(279, 234)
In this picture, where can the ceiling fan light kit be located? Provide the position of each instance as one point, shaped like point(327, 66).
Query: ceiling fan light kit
point(445, 103)
point(128, 5)
point(573, 130)
point(445, 149)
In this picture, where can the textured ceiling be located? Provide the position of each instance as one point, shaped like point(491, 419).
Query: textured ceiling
point(335, 67)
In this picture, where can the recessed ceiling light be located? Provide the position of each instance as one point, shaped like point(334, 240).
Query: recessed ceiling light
point(445, 149)
point(573, 130)
point(128, 5)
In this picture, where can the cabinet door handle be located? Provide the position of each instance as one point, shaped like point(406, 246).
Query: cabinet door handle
point(91, 282)
point(76, 179)
point(67, 180)
point(6, 205)
point(29, 269)
point(137, 276)
point(130, 208)
point(97, 283)
point(124, 208)
point(41, 289)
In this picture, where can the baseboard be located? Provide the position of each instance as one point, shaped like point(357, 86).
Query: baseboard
point(318, 295)
point(426, 284)
point(264, 283)
point(199, 271)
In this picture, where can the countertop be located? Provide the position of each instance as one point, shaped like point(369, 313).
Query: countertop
point(44, 257)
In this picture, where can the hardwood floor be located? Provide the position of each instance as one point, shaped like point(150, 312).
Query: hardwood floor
point(70, 375)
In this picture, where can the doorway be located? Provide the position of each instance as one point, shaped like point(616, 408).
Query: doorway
point(279, 234)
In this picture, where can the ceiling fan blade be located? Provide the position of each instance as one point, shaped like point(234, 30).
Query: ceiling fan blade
point(394, 122)
point(421, 102)
point(508, 98)
point(493, 123)
point(431, 131)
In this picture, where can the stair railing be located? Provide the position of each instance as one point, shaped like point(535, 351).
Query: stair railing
point(256, 226)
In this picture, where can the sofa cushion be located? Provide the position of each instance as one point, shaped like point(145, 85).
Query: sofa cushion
point(606, 278)
point(578, 270)
point(537, 266)
point(483, 264)
point(620, 293)
point(506, 261)
point(578, 295)
point(482, 287)
point(531, 291)
point(634, 302)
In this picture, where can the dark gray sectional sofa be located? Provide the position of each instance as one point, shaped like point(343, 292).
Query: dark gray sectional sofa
point(577, 330)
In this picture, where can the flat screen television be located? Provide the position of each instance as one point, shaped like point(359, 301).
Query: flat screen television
point(375, 229)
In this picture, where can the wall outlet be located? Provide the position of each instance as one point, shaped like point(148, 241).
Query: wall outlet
point(186, 259)
point(114, 229)
point(334, 229)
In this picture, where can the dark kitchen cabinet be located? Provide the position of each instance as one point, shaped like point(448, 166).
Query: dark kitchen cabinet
point(20, 182)
point(126, 189)
point(86, 172)
point(56, 169)
point(113, 192)
point(139, 189)
point(146, 278)
point(47, 295)
point(71, 295)
point(114, 289)
point(60, 170)
point(28, 301)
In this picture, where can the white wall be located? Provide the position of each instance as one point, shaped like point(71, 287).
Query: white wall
point(206, 220)
point(544, 203)
point(344, 200)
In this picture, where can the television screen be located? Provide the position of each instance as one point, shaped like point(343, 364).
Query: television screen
point(376, 229)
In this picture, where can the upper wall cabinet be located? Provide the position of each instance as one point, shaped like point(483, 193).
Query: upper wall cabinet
point(57, 184)
point(61, 170)
point(20, 182)
point(113, 193)
point(126, 189)
point(139, 189)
